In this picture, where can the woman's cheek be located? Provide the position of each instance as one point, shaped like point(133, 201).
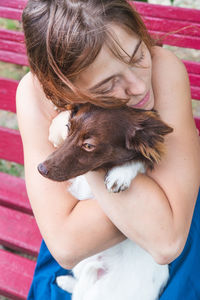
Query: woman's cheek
point(120, 92)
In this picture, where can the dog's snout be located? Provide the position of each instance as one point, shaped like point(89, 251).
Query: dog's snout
point(42, 169)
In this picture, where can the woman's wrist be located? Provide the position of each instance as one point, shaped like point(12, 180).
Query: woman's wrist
point(92, 176)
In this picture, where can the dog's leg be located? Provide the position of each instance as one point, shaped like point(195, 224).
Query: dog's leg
point(119, 178)
point(80, 188)
point(58, 129)
point(66, 282)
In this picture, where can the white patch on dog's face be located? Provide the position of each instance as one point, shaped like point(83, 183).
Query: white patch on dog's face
point(58, 129)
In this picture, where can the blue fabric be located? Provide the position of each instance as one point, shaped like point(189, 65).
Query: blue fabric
point(43, 286)
point(184, 282)
point(184, 271)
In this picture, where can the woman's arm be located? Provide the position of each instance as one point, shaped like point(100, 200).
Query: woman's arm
point(157, 209)
point(75, 230)
point(71, 229)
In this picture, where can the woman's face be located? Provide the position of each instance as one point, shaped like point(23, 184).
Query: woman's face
point(116, 78)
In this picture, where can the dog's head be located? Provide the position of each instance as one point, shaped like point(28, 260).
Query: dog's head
point(103, 138)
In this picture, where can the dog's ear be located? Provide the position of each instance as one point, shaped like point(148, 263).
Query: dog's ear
point(74, 109)
point(147, 137)
point(131, 136)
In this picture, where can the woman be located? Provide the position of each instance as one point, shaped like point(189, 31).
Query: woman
point(99, 52)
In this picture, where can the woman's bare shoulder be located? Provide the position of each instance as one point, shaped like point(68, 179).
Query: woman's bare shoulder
point(170, 83)
point(163, 54)
point(31, 101)
point(165, 61)
point(34, 113)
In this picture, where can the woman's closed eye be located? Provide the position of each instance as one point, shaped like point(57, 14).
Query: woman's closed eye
point(111, 85)
point(139, 58)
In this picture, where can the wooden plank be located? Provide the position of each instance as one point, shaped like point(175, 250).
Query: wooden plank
point(11, 35)
point(16, 275)
point(176, 39)
point(13, 193)
point(7, 94)
point(11, 46)
point(13, 58)
point(194, 79)
point(197, 122)
point(192, 67)
point(19, 4)
point(19, 231)
point(11, 145)
point(167, 12)
point(10, 13)
point(179, 27)
point(195, 92)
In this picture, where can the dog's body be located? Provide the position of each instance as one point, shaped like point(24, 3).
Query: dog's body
point(125, 271)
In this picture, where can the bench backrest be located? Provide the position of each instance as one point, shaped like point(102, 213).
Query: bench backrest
point(18, 229)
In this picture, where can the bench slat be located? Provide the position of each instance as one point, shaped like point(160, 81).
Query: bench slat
point(11, 46)
point(10, 13)
point(167, 12)
point(192, 67)
point(13, 193)
point(176, 39)
point(11, 35)
point(153, 10)
point(19, 231)
point(16, 275)
point(181, 27)
point(11, 145)
point(13, 58)
point(194, 79)
point(197, 122)
point(195, 92)
point(7, 94)
point(20, 4)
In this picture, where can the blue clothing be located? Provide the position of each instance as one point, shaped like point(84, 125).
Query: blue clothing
point(43, 286)
point(184, 282)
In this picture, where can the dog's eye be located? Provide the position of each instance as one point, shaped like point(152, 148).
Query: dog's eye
point(88, 147)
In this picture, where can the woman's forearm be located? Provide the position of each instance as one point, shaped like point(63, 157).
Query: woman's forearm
point(89, 231)
point(142, 213)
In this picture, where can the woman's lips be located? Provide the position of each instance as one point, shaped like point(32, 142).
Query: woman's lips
point(142, 102)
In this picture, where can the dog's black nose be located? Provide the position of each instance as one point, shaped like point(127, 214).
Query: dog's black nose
point(42, 169)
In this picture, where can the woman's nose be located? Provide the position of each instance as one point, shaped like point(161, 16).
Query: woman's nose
point(135, 85)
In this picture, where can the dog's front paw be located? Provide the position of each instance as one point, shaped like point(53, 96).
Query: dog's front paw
point(58, 130)
point(119, 178)
point(116, 182)
point(66, 283)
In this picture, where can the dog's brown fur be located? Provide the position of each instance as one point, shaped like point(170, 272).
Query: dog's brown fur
point(104, 138)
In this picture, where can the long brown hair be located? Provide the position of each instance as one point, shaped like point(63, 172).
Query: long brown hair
point(63, 37)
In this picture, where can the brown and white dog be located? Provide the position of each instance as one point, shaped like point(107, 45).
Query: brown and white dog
point(123, 141)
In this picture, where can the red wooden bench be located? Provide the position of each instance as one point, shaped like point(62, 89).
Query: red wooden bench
point(18, 230)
